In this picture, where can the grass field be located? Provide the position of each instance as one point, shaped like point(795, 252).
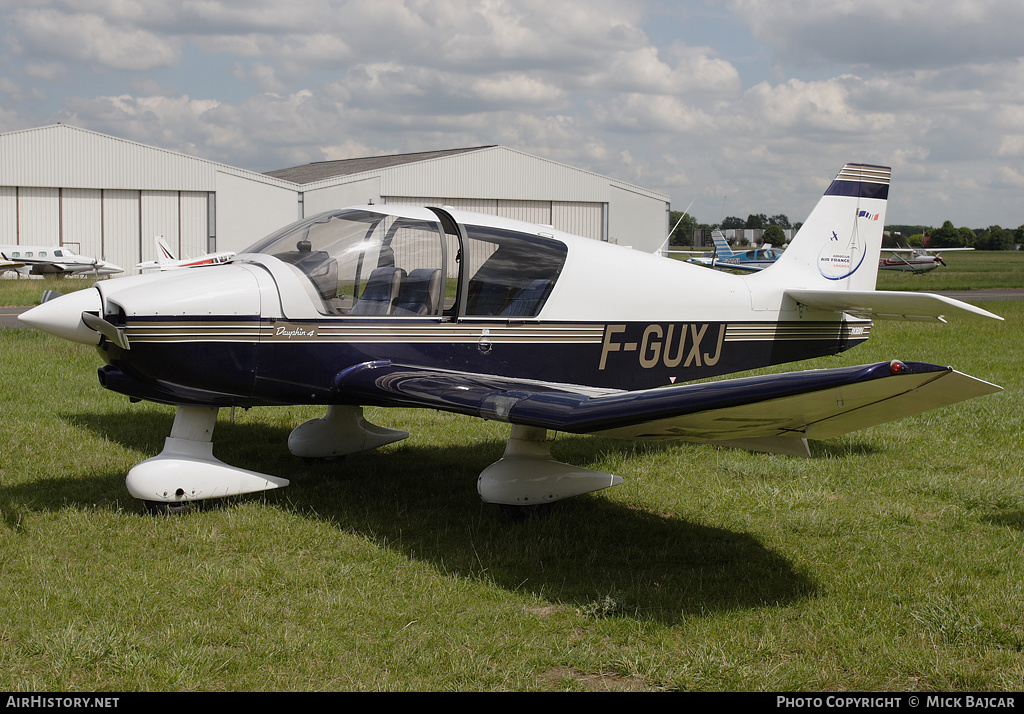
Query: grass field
point(963, 271)
point(892, 560)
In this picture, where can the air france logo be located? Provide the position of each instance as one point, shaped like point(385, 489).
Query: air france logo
point(866, 214)
point(840, 258)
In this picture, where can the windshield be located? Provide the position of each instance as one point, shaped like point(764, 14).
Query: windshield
point(367, 263)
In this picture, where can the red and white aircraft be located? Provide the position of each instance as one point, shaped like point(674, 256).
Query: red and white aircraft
point(402, 306)
point(168, 261)
point(914, 260)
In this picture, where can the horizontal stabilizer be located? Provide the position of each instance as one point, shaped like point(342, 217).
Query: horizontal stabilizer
point(888, 304)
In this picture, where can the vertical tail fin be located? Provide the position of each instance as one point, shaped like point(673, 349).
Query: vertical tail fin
point(722, 249)
point(163, 251)
point(838, 247)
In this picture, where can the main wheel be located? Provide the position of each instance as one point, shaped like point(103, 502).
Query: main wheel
point(518, 514)
point(163, 508)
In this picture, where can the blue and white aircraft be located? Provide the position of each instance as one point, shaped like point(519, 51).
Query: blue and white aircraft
point(401, 306)
point(725, 257)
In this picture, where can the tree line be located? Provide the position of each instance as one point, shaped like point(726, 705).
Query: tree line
point(949, 236)
point(685, 225)
point(946, 236)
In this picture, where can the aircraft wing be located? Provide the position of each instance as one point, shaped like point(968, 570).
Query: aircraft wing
point(775, 412)
point(888, 304)
point(922, 250)
point(50, 266)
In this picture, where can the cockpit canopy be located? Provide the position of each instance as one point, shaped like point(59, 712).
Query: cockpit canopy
point(764, 254)
point(417, 262)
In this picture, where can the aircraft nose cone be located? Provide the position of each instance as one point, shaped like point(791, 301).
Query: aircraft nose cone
point(63, 316)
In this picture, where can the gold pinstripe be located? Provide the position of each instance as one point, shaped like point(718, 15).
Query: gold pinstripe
point(191, 330)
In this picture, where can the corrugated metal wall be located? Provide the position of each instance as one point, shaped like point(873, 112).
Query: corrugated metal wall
point(580, 218)
point(497, 171)
point(76, 158)
point(39, 212)
point(107, 197)
point(82, 221)
point(116, 225)
point(8, 214)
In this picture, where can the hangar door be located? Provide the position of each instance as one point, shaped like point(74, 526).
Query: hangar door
point(580, 218)
point(115, 225)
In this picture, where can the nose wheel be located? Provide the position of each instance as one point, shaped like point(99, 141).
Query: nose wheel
point(186, 471)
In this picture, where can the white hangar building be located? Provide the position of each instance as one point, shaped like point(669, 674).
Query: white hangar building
point(106, 197)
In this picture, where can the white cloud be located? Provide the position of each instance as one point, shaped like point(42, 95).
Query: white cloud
point(91, 39)
point(516, 90)
point(651, 113)
point(886, 34)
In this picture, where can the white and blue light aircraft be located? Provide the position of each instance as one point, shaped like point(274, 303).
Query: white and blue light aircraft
point(437, 308)
point(725, 257)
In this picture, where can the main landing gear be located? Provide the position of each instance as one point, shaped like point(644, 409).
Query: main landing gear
point(525, 480)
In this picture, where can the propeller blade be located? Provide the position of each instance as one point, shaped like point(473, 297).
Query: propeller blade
point(112, 333)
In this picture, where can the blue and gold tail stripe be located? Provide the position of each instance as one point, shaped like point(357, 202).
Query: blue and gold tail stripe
point(861, 181)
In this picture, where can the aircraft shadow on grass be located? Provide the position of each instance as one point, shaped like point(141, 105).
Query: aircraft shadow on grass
point(422, 502)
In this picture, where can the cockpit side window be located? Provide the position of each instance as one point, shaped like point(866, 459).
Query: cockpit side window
point(512, 273)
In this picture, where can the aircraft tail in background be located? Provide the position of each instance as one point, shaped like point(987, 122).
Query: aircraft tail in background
point(164, 253)
point(167, 260)
point(722, 249)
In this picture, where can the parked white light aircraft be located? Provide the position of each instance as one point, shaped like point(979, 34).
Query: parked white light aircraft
point(914, 260)
point(167, 261)
point(56, 260)
point(475, 314)
point(725, 257)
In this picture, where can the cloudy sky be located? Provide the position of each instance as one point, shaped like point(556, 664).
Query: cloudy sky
point(738, 106)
